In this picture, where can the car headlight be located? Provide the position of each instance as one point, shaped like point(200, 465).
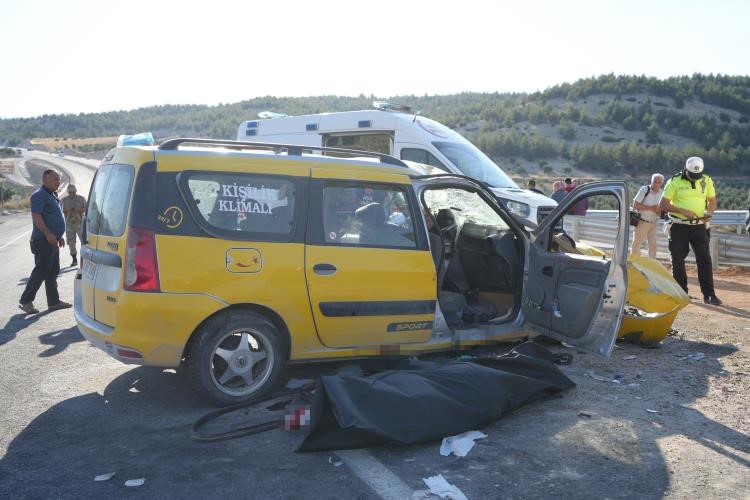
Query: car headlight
point(518, 208)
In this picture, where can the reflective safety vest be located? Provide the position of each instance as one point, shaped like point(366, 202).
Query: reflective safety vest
point(689, 194)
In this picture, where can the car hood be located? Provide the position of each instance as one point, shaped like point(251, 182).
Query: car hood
point(524, 196)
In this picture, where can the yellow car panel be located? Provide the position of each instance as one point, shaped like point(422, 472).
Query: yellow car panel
point(278, 284)
point(654, 299)
point(376, 296)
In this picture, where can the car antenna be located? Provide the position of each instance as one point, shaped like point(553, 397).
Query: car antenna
point(416, 113)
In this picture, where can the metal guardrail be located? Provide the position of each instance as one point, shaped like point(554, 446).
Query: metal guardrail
point(726, 248)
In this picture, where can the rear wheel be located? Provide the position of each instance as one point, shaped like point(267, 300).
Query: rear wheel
point(236, 358)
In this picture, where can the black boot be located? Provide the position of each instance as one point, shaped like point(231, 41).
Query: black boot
point(75, 261)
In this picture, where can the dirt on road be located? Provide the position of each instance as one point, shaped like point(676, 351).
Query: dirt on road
point(681, 410)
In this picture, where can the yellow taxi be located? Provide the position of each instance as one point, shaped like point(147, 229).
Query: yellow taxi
point(229, 259)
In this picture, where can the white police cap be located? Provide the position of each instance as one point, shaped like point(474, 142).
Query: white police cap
point(694, 164)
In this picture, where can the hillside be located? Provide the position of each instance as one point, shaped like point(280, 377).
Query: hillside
point(619, 126)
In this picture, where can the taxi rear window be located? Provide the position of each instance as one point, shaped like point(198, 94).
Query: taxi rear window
point(107, 209)
point(243, 204)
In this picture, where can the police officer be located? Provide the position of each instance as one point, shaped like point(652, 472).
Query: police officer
point(690, 199)
point(73, 207)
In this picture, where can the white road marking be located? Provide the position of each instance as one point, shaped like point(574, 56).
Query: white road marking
point(377, 476)
point(14, 239)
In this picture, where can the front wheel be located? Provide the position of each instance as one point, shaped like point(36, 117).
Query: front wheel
point(236, 358)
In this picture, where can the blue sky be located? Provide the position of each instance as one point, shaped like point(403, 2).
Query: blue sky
point(87, 56)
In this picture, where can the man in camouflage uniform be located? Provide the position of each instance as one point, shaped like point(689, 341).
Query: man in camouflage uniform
point(73, 207)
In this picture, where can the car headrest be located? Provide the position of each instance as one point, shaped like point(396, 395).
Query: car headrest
point(370, 214)
point(446, 218)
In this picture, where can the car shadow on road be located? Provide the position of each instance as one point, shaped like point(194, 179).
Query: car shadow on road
point(596, 441)
point(18, 322)
point(59, 340)
point(140, 428)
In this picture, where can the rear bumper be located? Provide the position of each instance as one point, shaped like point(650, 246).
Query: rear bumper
point(155, 325)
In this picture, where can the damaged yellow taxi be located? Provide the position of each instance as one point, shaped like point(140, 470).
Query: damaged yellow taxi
point(229, 259)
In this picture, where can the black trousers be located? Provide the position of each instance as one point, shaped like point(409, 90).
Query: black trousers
point(681, 238)
point(46, 269)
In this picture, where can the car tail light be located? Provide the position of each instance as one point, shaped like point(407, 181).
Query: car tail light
point(128, 353)
point(141, 267)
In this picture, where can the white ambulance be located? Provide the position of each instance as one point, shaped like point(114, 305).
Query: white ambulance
point(393, 129)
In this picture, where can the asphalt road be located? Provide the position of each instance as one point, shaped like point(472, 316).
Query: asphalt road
point(69, 413)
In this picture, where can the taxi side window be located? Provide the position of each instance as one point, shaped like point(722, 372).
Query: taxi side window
point(570, 235)
point(243, 202)
point(367, 215)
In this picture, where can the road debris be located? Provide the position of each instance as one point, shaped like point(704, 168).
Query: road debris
point(461, 444)
point(585, 414)
point(104, 477)
point(298, 383)
point(628, 358)
point(442, 488)
point(617, 379)
point(335, 462)
point(697, 356)
point(649, 410)
point(135, 482)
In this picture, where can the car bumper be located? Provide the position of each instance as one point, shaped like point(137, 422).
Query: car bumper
point(152, 328)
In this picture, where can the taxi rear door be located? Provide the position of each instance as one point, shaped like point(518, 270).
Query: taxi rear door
point(370, 274)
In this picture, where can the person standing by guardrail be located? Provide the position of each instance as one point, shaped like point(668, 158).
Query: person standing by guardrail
point(690, 199)
point(647, 203)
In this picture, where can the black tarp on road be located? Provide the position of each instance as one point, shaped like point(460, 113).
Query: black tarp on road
point(429, 402)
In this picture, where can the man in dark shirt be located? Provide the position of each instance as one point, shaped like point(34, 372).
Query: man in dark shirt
point(531, 186)
point(46, 241)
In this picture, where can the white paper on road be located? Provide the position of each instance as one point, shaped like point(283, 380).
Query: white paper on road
point(442, 488)
point(104, 477)
point(135, 482)
point(461, 444)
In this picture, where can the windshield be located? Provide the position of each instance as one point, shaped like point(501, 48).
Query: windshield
point(475, 164)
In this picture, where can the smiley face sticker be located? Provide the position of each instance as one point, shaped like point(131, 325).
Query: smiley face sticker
point(171, 217)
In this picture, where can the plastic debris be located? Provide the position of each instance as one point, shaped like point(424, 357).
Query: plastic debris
point(442, 488)
point(461, 444)
point(135, 482)
point(637, 397)
point(104, 477)
point(298, 383)
point(335, 462)
point(616, 380)
point(697, 356)
point(628, 358)
point(649, 410)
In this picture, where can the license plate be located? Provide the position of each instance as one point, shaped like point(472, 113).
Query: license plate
point(89, 269)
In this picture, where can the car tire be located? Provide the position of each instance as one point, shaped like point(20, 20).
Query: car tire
point(236, 358)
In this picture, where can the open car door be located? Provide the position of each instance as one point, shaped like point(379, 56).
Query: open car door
point(572, 297)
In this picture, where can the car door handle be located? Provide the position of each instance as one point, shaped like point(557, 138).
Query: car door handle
point(547, 271)
point(324, 269)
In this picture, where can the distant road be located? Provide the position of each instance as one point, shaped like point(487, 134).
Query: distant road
point(79, 171)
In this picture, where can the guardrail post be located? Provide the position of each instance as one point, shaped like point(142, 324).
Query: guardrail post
point(713, 246)
point(574, 228)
